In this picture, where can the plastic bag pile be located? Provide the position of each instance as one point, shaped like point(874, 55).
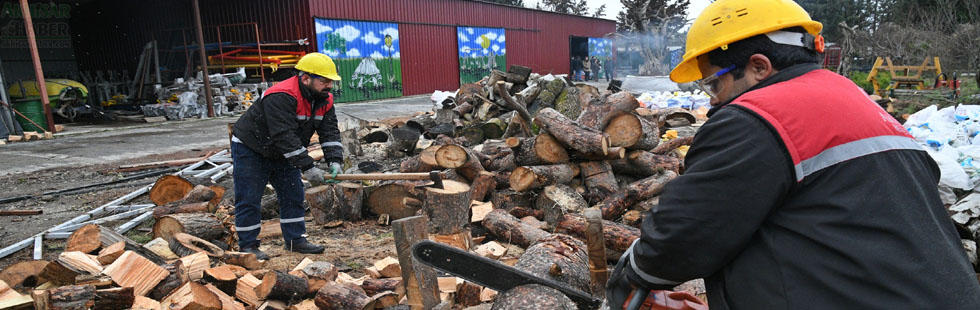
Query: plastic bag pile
point(677, 99)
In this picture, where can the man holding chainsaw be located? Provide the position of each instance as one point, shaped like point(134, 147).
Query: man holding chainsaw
point(799, 192)
point(269, 146)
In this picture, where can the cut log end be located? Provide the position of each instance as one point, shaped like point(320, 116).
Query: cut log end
point(451, 156)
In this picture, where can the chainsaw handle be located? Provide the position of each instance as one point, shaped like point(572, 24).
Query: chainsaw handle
point(639, 296)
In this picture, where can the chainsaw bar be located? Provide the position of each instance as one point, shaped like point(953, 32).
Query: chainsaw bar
point(490, 273)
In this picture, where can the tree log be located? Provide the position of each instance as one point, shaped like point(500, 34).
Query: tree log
point(85, 239)
point(403, 139)
point(633, 132)
point(672, 145)
point(618, 237)
point(542, 149)
point(509, 199)
point(279, 285)
point(318, 274)
point(72, 297)
point(184, 244)
point(321, 199)
point(119, 298)
point(191, 296)
point(349, 200)
point(334, 295)
point(111, 253)
point(521, 213)
point(169, 188)
point(245, 290)
point(180, 207)
point(174, 279)
point(600, 182)
point(531, 177)
point(614, 206)
point(468, 294)
point(416, 164)
point(572, 134)
point(204, 226)
point(372, 287)
point(533, 296)
point(448, 207)
point(650, 163)
point(596, 242)
point(613, 154)
point(557, 200)
point(24, 273)
point(389, 198)
point(199, 193)
point(108, 237)
point(509, 229)
point(599, 112)
point(421, 288)
point(484, 183)
point(466, 163)
point(560, 258)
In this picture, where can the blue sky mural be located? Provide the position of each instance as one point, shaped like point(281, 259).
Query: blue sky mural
point(472, 39)
point(362, 39)
point(600, 47)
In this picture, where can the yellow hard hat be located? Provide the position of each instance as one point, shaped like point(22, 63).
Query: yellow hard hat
point(319, 64)
point(727, 21)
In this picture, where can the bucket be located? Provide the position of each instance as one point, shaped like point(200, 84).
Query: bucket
point(34, 110)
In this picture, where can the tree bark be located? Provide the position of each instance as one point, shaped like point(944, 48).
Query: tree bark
point(372, 287)
point(618, 237)
point(180, 207)
point(279, 285)
point(509, 229)
point(557, 200)
point(599, 112)
point(421, 288)
point(572, 134)
point(596, 242)
point(448, 207)
point(667, 147)
point(484, 184)
point(349, 200)
point(204, 226)
point(531, 177)
point(600, 182)
point(321, 199)
point(174, 279)
point(650, 163)
point(533, 296)
point(184, 244)
point(614, 206)
point(560, 258)
point(509, 199)
point(542, 149)
point(114, 298)
point(334, 295)
point(72, 297)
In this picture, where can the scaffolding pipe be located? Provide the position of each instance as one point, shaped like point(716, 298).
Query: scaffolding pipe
point(38, 73)
point(204, 57)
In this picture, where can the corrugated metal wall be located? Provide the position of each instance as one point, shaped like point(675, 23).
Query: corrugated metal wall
point(429, 58)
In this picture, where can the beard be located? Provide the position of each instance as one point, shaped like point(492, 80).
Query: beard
point(317, 95)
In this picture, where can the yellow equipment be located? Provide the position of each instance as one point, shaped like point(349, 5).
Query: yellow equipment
point(901, 77)
point(319, 64)
point(728, 21)
point(55, 87)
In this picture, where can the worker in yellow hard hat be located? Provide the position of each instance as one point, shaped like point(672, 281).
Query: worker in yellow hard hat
point(269, 145)
point(799, 192)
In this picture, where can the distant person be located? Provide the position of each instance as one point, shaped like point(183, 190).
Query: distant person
point(597, 68)
point(577, 72)
point(587, 67)
point(609, 67)
point(269, 146)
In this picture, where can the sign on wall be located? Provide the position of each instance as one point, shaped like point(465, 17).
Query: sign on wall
point(601, 49)
point(480, 50)
point(367, 56)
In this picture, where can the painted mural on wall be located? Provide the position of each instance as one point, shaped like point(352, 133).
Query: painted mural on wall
point(367, 56)
point(603, 50)
point(480, 50)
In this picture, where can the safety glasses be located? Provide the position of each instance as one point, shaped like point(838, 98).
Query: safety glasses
point(709, 85)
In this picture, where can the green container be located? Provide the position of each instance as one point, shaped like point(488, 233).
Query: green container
point(34, 110)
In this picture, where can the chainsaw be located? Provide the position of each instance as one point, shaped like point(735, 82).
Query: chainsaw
point(500, 277)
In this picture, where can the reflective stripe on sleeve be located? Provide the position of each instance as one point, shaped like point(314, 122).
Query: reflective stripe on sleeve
point(643, 275)
point(331, 143)
point(294, 153)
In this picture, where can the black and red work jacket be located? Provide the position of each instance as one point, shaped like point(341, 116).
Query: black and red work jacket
point(281, 123)
point(802, 193)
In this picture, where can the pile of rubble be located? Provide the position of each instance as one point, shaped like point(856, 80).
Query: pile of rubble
point(186, 99)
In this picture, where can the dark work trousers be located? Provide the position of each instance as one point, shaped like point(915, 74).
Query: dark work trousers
point(252, 172)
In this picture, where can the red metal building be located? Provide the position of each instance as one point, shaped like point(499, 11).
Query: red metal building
point(109, 34)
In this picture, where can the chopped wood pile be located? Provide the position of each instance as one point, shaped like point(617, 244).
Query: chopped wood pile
point(539, 173)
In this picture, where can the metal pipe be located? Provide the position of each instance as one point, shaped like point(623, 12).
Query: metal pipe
point(156, 60)
point(38, 72)
point(221, 50)
point(126, 208)
point(16, 247)
point(204, 56)
point(122, 229)
point(223, 173)
point(187, 55)
point(71, 228)
point(212, 171)
point(37, 247)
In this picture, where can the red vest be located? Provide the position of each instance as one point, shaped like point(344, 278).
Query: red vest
point(824, 119)
point(303, 107)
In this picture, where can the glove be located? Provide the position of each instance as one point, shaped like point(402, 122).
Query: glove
point(622, 284)
point(315, 176)
point(334, 169)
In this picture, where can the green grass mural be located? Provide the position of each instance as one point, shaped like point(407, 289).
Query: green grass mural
point(480, 50)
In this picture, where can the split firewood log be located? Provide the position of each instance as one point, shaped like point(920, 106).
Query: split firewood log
point(468, 294)
point(69, 268)
point(372, 287)
point(201, 225)
point(245, 290)
point(227, 302)
point(71, 297)
point(193, 266)
point(85, 239)
point(132, 270)
point(119, 298)
point(599, 112)
point(482, 185)
point(111, 253)
point(557, 200)
point(317, 275)
point(615, 205)
point(23, 274)
point(572, 134)
point(542, 149)
point(191, 296)
point(600, 182)
point(184, 244)
point(510, 229)
point(398, 199)
point(174, 279)
point(224, 277)
point(242, 259)
point(169, 188)
point(334, 295)
point(531, 177)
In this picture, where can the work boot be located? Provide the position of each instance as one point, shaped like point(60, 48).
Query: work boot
point(304, 247)
point(258, 253)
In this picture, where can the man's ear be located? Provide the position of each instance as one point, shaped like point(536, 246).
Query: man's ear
point(305, 79)
point(759, 67)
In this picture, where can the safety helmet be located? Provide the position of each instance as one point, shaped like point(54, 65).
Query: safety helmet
point(319, 64)
point(728, 21)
